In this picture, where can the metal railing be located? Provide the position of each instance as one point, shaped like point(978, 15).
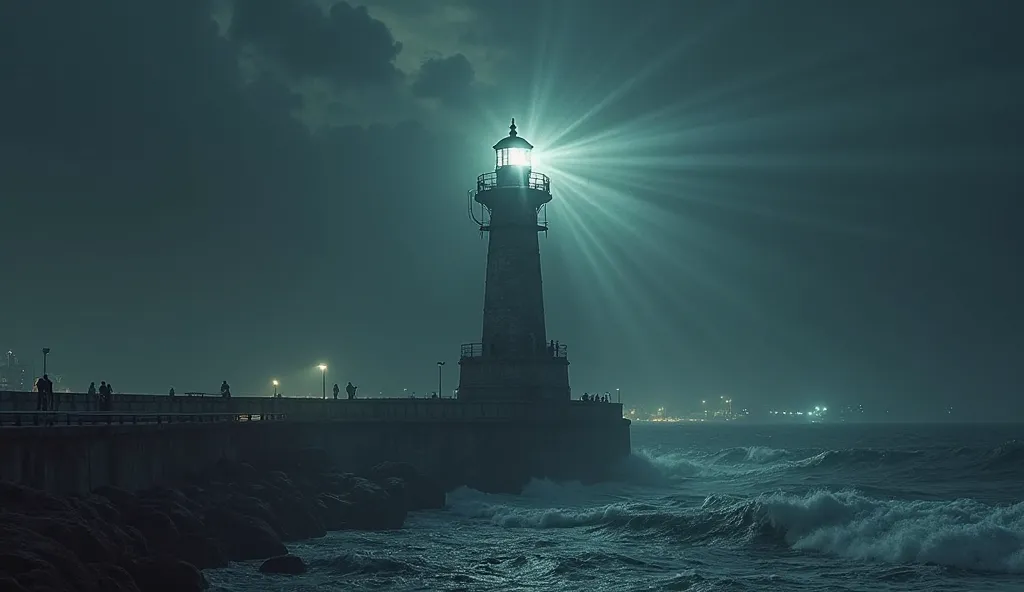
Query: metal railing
point(472, 350)
point(538, 181)
point(476, 350)
point(82, 418)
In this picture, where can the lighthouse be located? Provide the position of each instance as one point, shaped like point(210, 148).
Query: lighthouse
point(515, 360)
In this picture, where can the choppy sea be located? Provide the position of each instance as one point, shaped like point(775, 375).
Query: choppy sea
point(716, 507)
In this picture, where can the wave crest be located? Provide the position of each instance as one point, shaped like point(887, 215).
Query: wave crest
point(963, 533)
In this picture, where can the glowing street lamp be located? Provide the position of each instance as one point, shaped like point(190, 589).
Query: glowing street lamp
point(439, 364)
point(275, 383)
point(323, 375)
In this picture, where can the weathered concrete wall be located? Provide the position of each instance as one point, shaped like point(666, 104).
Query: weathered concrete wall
point(486, 445)
point(76, 459)
point(487, 378)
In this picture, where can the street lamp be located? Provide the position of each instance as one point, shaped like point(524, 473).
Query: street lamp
point(46, 352)
point(439, 364)
point(323, 375)
point(275, 383)
point(618, 395)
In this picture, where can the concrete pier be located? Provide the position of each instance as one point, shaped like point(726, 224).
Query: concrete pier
point(488, 445)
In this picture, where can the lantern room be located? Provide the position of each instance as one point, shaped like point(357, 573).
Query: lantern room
point(512, 151)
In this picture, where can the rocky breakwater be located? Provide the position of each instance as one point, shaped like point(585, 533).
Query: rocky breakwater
point(159, 539)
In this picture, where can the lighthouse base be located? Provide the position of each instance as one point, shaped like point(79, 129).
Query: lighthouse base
point(488, 378)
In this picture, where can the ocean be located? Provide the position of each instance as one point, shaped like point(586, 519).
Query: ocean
point(716, 507)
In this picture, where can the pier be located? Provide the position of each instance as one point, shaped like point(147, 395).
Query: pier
point(147, 439)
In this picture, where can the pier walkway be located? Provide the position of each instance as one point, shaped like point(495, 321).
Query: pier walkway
point(18, 409)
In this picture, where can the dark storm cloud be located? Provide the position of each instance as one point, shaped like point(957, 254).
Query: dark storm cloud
point(190, 228)
point(184, 207)
point(448, 79)
point(342, 43)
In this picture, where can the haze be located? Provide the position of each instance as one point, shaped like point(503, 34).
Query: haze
point(788, 203)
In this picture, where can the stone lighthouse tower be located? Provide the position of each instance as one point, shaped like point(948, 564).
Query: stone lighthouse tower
point(515, 360)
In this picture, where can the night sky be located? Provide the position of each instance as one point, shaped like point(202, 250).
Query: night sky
point(789, 203)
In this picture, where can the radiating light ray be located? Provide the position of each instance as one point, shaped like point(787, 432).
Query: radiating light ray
point(654, 277)
point(663, 197)
point(618, 287)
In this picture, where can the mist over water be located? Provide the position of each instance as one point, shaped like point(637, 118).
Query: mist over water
point(716, 507)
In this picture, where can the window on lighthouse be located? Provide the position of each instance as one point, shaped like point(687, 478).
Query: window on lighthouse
point(513, 157)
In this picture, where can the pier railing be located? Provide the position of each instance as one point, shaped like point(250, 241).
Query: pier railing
point(166, 409)
point(476, 350)
point(81, 418)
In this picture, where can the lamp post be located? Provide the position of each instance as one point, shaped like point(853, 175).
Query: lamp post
point(439, 364)
point(323, 375)
point(618, 395)
point(275, 383)
point(46, 351)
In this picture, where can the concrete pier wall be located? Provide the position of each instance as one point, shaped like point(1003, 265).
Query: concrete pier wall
point(490, 446)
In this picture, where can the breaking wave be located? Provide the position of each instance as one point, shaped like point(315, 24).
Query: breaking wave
point(963, 534)
point(651, 467)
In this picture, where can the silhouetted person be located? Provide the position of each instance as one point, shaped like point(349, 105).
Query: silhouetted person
point(604, 398)
point(351, 390)
point(41, 399)
point(110, 398)
point(101, 401)
point(170, 393)
point(551, 348)
point(92, 390)
point(336, 391)
point(585, 397)
point(225, 390)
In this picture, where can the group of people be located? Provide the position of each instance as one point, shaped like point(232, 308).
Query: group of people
point(350, 390)
point(595, 398)
point(104, 400)
point(45, 401)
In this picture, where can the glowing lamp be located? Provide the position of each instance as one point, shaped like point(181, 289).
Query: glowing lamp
point(513, 151)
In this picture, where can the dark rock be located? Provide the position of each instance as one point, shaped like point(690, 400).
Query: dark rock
point(159, 530)
point(166, 575)
point(25, 500)
point(44, 580)
point(374, 508)
point(335, 512)
point(200, 550)
point(184, 520)
point(88, 544)
point(38, 562)
point(166, 495)
point(244, 537)
point(11, 585)
point(284, 564)
point(118, 497)
point(255, 507)
point(113, 578)
point(422, 492)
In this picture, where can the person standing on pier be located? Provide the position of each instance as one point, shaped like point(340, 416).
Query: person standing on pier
point(225, 390)
point(336, 391)
point(350, 389)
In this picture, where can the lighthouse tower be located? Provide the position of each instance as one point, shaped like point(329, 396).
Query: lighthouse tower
point(515, 360)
